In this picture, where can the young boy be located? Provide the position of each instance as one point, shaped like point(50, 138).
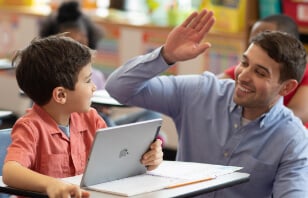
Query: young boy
point(54, 138)
point(69, 17)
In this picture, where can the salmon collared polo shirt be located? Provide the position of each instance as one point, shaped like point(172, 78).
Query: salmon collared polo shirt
point(40, 145)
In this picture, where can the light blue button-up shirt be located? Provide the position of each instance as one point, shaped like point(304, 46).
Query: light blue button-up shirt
point(272, 148)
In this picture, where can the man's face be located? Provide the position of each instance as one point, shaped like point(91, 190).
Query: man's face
point(257, 82)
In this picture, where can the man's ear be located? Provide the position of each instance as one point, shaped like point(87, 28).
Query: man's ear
point(288, 86)
point(59, 95)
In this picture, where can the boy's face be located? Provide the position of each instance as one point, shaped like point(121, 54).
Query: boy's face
point(79, 100)
point(257, 82)
point(262, 26)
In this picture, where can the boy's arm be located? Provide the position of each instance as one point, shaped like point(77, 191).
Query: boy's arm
point(17, 176)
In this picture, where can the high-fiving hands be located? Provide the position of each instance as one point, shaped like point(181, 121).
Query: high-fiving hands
point(184, 42)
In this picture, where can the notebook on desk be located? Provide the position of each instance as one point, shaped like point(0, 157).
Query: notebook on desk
point(170, 174)
point(116, 152)
point(114, 163)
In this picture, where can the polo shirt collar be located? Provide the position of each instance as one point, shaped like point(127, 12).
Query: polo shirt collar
point(46, 118)
point(53, 125)
point(264, 118)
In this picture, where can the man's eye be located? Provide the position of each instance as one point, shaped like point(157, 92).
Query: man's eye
point(260, 73)
point(243, 63)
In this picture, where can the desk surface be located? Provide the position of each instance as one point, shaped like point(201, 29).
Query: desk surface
point(184, 191)
point(102, 97)
point(5, 64)
point(4, 114)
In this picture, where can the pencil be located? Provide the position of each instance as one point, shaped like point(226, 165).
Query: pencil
point(190, 182)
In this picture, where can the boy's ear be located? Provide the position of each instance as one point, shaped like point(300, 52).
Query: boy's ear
point(288, 87)
point(59, 95)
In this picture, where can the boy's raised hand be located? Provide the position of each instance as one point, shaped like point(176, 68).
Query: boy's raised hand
point(184, 41)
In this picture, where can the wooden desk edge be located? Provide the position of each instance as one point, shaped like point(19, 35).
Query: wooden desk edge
point(19, 192)
point(218, 187)
point(244, 178)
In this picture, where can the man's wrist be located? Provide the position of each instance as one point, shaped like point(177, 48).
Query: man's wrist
point(165, 57)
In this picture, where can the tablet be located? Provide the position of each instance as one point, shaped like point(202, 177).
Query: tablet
point(116, 151)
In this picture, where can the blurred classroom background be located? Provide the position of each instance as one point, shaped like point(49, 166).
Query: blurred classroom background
point(134, 27)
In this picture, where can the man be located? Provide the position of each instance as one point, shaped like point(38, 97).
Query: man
point(296, 100)
point(240, 123)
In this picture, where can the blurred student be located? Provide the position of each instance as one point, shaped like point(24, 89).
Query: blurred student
point(53, 139)
point(70, 18)
point(239, 123)
point(297, 99)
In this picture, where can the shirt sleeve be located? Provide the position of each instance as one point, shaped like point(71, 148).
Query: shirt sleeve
point(98, 78)
point(292, 174)
point(93, 120)
point(22, 149)
point(135, 83)
point(139, 83)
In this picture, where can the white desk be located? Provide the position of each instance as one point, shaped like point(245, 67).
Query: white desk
point(5, 64)
point(184, 191)
point(102, 97)
point(4, 114)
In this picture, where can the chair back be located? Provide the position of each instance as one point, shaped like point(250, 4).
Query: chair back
point(5, 141)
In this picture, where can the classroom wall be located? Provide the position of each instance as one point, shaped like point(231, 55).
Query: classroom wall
point(19, 27)
point(13, 26)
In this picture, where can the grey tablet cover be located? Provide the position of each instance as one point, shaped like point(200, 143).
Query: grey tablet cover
point(116, 151)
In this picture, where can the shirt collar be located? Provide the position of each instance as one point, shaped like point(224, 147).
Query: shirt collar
point(46, 118)
point(53, 126)
point(271, 114)
point(264, 118)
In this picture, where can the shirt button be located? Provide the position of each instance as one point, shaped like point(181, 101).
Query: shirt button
point(235, 126)
point(226, 154)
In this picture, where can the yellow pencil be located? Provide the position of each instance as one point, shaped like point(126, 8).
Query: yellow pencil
point(190, 182)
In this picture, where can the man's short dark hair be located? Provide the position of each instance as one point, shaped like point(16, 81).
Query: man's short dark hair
point(285, 49)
